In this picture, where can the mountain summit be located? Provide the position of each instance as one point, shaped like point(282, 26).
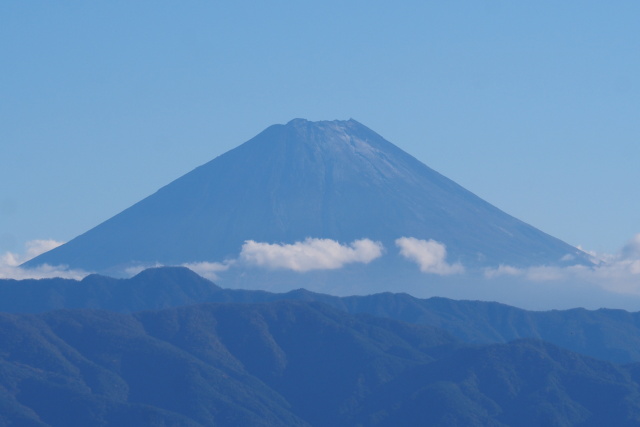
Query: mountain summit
point(335, 180)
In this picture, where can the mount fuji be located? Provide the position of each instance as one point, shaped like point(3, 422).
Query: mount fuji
point(335, 189)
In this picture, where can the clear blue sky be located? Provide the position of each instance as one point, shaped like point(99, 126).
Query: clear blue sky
point(534, 106)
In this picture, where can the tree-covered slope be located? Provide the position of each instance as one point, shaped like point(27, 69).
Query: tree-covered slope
point(289, 363)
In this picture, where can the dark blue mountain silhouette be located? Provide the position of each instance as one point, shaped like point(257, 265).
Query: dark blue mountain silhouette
point(291, 363)
point(612, 335)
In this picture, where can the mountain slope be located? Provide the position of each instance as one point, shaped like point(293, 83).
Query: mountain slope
point(337, 180)
point(290, 363)
point(226, 365)
point(523, 383)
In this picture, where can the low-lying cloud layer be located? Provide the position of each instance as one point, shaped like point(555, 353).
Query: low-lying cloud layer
point(618, 273)
point(311, 254)
point(431, 256)
point(10, 263)
point(208, 270)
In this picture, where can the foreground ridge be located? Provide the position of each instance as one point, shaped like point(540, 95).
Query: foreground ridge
point(290, 363)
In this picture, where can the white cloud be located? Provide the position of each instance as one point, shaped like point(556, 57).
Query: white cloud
point(312, 254)
point(598, 258)
point(619, 273)
point(10, 263)
point(37, 247)
point(568, 257)
point(205, 269)
point(632, 249)
point(136, 269)
point(208, 270)
point(429, 255)
point(539, 273)
point(502, 270)
point(33, 249)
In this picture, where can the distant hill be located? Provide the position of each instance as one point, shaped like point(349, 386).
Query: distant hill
point(612, 335)
point(150, 289)
point(290, 363)
point(334, 180)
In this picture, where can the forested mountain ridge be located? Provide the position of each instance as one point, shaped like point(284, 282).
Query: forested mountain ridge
point(290, 363)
